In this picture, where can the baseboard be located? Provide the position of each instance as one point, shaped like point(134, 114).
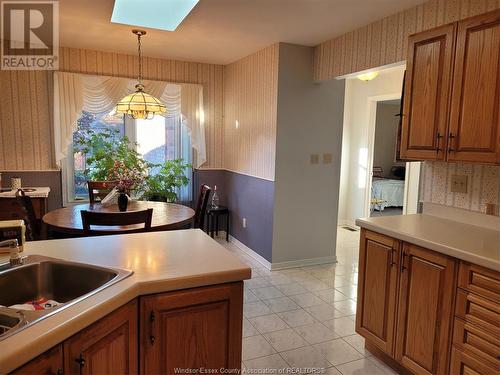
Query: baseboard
point(278, 265)
point(303, 263)
point(251, 253)
point(347, 222)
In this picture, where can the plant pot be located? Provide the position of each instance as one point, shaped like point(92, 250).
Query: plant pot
point(122, 202)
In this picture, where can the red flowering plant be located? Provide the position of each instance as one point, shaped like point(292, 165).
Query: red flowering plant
point(128, 179)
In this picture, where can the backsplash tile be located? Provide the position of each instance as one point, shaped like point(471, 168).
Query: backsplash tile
point(483, 185)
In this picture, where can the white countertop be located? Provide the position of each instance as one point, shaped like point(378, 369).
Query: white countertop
point(471, 243)
point(39, 192)
point(161, 261)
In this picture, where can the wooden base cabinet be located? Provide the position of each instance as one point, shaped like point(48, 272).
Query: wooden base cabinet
point(155, 334)
point(199, 328)
point(405, 302)
point(426, 290)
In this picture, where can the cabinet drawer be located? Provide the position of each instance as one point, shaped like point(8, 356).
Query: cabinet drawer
point(478, 310)
point(479, 280)
point(463, 363)
point(468, 336)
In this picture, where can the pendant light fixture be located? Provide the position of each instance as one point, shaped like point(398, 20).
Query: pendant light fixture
point(140, 105)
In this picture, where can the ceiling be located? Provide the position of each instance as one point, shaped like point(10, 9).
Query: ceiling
point(222, 31)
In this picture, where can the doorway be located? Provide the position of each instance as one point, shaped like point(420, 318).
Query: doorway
point(393, 184)
point(360, 154)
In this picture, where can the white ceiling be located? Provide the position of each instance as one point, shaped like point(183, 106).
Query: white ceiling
point(222, 31)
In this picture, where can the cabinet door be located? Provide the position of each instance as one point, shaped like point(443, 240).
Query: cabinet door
point(475, 121)
point(191, 329)
point(377, 289)
point(426, 96)
point(108, 346)
point(426, 290)
point(48, 363)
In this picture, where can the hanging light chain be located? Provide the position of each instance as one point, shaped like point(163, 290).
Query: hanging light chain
point(140, 56)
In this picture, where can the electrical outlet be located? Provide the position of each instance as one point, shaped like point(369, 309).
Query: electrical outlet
point(244, 222)
point(459, 184)
point(327, 158)
point(314, 158)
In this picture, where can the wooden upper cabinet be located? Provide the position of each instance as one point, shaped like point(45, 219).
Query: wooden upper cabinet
point(108, 346)
point(475, 122)
point(191, 329)
point(426, 290)
point(426, 96)
point(377, 289)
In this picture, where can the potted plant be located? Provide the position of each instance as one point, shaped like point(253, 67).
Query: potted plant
point(164, 185)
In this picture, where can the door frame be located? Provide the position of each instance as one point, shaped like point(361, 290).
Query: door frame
point(411, 190)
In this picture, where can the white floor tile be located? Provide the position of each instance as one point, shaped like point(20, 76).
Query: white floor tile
point(297, 318)
point(338, 351)
point(286, 339)
point(254, 309)
point(358, 343)
point(256, 346)
point(272, 364)
point(291, 289)
point(281, 304)
point(324, 312)
point(268, 323)
point(267, 292)
point(307, 300)
point(307, 356)
point(249, 329)
point(360, 367)
point(341, 326)
point(316, 333)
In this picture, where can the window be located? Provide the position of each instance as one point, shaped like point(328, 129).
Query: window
point(158, 140)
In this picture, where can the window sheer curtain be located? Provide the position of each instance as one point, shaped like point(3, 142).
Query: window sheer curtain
point(74, 93)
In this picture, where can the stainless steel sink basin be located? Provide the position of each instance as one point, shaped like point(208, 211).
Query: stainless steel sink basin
point(51, 279)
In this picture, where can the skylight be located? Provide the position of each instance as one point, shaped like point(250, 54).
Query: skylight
point(154, 14)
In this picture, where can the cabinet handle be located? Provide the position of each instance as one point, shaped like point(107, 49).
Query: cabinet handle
point(403, 255)
point(393, 263)
point(60, 371)
point(152, 318)
point(80, 360)
point(450, 138)
point(438, 142)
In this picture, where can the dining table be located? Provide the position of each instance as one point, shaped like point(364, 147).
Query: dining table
point(166, 216)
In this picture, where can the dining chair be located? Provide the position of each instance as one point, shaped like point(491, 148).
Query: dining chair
point(99, 189)
point(106, 219)
point(33, 227)
point(201, 206)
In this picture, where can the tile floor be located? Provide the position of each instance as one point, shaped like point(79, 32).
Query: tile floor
point(302, 319)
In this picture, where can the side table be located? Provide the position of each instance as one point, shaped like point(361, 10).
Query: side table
point(213, 214)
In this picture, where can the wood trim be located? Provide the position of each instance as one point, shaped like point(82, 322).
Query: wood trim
point(50, 362)
point(463, 363)
point(478, 310)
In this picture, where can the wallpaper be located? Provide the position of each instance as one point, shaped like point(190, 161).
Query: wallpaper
point(385, 41)
point(26, 104)
point(250, 110)
point(483, 185)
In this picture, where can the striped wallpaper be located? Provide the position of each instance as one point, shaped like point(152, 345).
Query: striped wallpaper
point(385, 41)
point(250, 110)
point(25, 112)
point(483, 185)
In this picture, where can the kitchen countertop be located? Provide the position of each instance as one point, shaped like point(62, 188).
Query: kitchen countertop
point(471, 243)
point(39, 192)
point(161, 261)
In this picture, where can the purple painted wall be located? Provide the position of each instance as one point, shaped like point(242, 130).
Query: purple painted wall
point(246, 197)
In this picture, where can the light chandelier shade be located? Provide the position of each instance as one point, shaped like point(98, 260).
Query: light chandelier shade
point(140, 105)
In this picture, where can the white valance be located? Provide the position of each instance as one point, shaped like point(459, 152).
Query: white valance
point(74, 93)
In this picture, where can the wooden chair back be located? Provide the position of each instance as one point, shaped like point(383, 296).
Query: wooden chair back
point(32, 226)
point(90, 218)
point(99, 189)
point(201, 206)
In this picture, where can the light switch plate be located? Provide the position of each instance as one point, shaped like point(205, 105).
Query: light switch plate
point(327, 158)
point(314, 159)
point(459, 184)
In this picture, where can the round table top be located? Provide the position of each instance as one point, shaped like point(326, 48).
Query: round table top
point(166, 216)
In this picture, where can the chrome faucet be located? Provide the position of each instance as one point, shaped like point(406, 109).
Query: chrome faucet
point(15, 249)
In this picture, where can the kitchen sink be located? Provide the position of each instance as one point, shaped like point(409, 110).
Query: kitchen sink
point(42, 278)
